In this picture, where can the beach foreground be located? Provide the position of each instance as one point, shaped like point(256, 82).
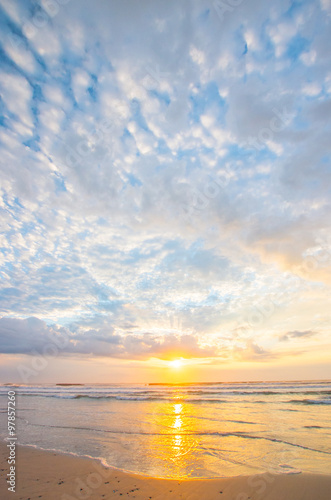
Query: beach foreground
point(49, 475)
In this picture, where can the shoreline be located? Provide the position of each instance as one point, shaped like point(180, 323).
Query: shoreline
point(51, 475)
point(103, 463)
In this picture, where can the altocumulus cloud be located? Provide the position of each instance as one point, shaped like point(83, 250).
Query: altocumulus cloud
point(163, 173)
point(33, 336)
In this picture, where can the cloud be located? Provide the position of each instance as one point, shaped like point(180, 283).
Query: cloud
point(253, 352)
point(297, 335)
point(32, 336)
point(164, 166)
point(26, 335)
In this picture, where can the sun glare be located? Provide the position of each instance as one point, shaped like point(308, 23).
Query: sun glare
point(176, 363)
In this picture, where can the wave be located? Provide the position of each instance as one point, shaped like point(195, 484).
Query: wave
point(313, 427)
point(282, 468)
point(310, 401)
point(110, 392)
point(261, 392)
point(175, 397)
point(164, 398)
point(308, 393)
point(239, 434)
point(71, 453)
point(69, 385)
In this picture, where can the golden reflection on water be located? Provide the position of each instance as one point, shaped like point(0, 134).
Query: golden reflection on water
point(177, 442)
point(189, 441)
point(192, 440)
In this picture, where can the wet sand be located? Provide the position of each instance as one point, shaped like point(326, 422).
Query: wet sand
point(48, 475)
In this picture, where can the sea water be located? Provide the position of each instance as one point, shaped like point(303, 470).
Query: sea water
point(190, 430)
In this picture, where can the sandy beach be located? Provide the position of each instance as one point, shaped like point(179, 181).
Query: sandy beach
point(49, 475)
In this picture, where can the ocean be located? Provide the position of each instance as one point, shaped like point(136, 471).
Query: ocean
point(187, 430)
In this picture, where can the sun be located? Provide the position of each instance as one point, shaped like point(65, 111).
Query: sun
point(176, 363)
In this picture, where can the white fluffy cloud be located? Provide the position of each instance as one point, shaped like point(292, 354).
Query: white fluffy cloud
point(158, 162)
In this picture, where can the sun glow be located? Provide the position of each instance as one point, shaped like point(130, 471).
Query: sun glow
point(176, 363)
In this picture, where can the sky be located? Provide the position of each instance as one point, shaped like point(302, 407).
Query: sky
point(165, 190)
